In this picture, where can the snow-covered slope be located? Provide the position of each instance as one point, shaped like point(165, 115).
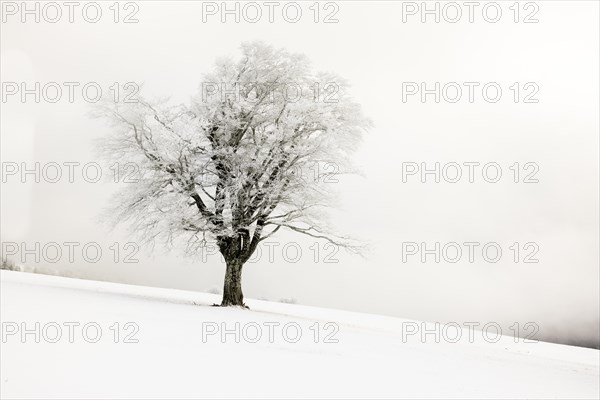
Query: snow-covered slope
point(176, 355)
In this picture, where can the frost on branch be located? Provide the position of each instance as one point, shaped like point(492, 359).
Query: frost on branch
point(238, 163)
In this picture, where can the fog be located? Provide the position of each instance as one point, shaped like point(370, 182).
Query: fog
point(170, 48)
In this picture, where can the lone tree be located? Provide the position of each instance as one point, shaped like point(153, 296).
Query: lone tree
point(237, 164)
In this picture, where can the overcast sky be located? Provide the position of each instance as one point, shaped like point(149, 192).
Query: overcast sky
point(171, 47)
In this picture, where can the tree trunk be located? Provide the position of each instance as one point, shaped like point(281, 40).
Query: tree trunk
point(232, 288)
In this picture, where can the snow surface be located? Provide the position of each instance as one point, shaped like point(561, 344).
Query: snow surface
point(171, 359)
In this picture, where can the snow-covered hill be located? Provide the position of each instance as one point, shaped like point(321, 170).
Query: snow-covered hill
point(301, 352)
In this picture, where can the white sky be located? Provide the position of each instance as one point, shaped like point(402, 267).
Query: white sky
point(171, 47)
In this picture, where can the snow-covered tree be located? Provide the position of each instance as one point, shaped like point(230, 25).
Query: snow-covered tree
point(237, 164)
